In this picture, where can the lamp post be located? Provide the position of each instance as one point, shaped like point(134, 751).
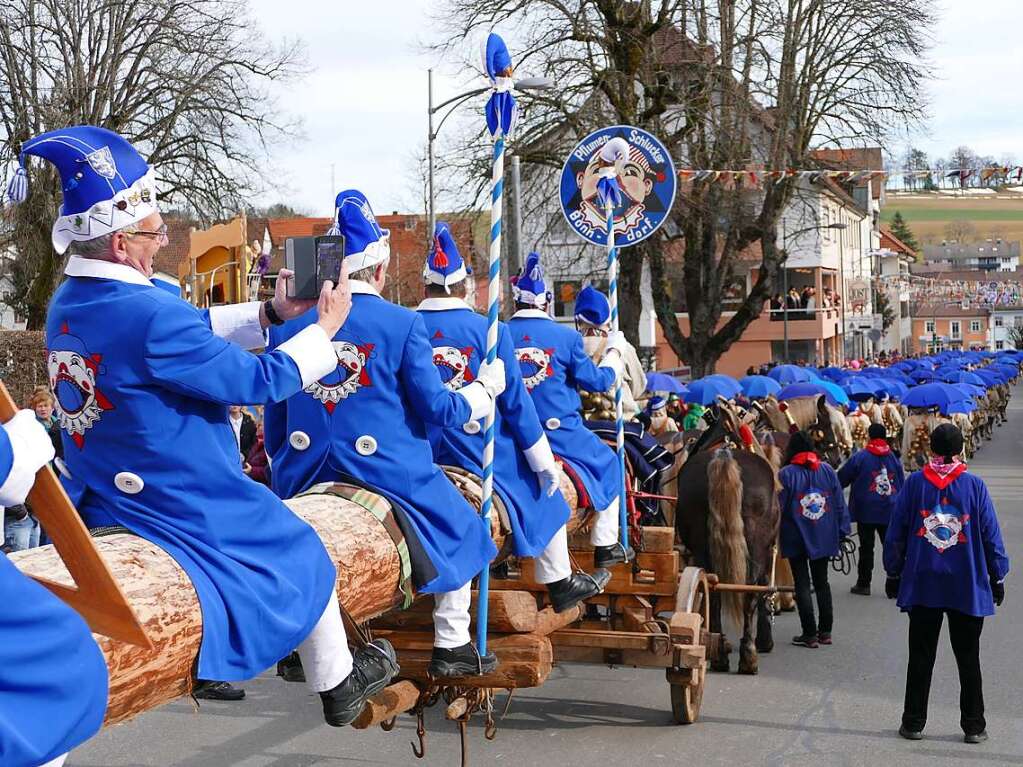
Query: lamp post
point(785, 276)
point(525, 84)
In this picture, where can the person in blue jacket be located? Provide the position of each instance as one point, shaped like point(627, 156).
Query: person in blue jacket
point(53, 679)
point(814, 520)
point(875, 476)
point(944, 557)
point(142, 382)
point(366, 420)
point(526, 476)
point(554, 367)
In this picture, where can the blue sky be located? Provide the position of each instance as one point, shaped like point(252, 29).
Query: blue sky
point(364, 103)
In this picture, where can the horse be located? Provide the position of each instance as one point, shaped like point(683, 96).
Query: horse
point(816, 417)
point(916, 435)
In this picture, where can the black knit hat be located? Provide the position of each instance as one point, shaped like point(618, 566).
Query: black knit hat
point(877, 431)
point(947, 441)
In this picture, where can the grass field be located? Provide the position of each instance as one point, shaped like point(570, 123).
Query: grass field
point(929, 216)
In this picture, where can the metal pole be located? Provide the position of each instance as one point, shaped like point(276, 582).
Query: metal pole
point(431, 215)
point(612, 292)
point(785, 285)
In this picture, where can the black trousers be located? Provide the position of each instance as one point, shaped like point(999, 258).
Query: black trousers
point(865, 567)
point(964, 632)
point(805, 571)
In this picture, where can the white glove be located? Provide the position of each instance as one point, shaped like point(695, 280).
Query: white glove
point(549, 478)
point(616, 340)
point(541, 460)
point(32, 450)
point(491, 375)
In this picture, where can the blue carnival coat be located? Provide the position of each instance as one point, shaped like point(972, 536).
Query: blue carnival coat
point(53, 680)
point(142, 386)
point(554, 365)
point(814, 517)
point(459, 339)
point(876, 481)
point(368, 421)
point(945, 545)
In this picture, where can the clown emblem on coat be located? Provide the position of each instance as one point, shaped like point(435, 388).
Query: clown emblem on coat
point(535, 364)
point(346, 379)
point(882, 484)
point(813, 505)
point(453, 364)
point(943, 526)
point(102, 161)
point(73, 370)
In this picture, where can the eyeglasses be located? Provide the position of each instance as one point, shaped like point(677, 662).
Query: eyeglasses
point(160, 234)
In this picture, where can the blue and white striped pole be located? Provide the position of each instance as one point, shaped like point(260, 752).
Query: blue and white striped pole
point(612, 292)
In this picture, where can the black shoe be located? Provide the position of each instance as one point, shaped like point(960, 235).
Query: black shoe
point(206, 689)
point(805, 641)
point(373, 667)
point(823, 637)
point(909, 734)
point(290, 668)
point(976, 737)
point(863, 591)
point(605, 556)
point(461, 661)
point(568, 592)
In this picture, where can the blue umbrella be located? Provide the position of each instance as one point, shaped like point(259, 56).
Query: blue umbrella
point(759, 387)
point(937, 395)
point(922, 376)
point(990, 377)
point(862, 388)
point(806, 389)
point(726, 382)
point(664, 382)
point(834, 374)
point(836, 395)
point(705, 391)
point(971, 390)
point(963, 377)
point(789, 374)
point(963, 406)
point(896, 389)
point(906, 366)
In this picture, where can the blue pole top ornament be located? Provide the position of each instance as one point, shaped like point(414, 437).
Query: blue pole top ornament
point(623, 165)
point(501, 109)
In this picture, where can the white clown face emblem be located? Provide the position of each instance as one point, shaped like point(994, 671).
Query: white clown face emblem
point(72, 372)
point(943, 527)
point(346, 379)
point(453, 366)
point(535, 364)
point(813, 505)
point(882, 484)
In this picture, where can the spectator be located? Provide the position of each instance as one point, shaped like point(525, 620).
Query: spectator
point(244, 428)
point(776, 307)
point(810, 302)
point(42, 403)
point(257, 464)
point(793, 300)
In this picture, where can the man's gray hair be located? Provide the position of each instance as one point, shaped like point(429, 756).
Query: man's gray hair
point(97, 247)
point(366, 273)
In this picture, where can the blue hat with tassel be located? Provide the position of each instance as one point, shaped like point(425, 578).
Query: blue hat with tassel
point(501, 109)
point(444, 266)
point(366, 244)
point(106, 184)
point(529, 286)
point(592, 306)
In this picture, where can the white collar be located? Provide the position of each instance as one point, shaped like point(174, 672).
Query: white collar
point(442, 303)
point(536, 314)
point(77, 266)
point(360, 287)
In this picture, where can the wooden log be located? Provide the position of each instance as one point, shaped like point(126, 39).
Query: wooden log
point(509, 612)
point(393, 700)
point(166, 604)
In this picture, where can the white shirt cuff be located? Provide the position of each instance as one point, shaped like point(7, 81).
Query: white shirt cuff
point(239, 324)
point(479, 400)
point(614, 362)
point(312, 352)
point(540, 456)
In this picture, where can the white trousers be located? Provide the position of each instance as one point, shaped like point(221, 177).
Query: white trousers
point(55, 762)
point(606, 528)
point(553, 564)
point(451, 617)
point(326, 659)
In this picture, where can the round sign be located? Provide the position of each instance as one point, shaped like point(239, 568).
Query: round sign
point(647, 181)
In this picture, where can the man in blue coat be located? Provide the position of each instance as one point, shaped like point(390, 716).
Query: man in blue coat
point(366, 421)
point(53, 679)
point(142, 381)
point(944, 556)
point(554, 367)
point(876, 476)
point(526, 476)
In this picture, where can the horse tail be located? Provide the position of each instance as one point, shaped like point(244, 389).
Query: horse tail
point(728, 549)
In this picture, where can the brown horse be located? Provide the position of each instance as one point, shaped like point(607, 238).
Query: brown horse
point(727, 516)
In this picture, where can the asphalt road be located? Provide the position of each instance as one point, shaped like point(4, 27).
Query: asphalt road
point(837, 705)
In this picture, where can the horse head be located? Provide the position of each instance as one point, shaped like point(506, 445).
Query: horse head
point(822, 431)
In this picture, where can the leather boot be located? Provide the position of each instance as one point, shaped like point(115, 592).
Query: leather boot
point(461, 661)
point(373, 667)
point(605, 556)
point(570, 591)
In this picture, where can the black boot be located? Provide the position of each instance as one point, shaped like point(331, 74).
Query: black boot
point(861, 589)
point(570, 591)
point(605, 556)
point(461, 661)
point(207, 689)
point(373, 667)
point(290, 668)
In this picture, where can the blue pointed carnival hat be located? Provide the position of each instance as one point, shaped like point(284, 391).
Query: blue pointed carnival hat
point(106, 184)
point(530, 287)
point(366, 244)
point(592, 306)
point(444, 266)
point(501, 109)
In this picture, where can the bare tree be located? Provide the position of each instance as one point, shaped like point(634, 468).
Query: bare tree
point(960, 230)
point(185, 80)
point(726, 84)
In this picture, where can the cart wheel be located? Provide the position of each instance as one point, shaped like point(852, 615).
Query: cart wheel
point(685, 701)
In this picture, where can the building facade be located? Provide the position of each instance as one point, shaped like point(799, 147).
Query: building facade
point(989, 255)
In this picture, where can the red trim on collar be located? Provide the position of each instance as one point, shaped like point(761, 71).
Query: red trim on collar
point(808, 459)
point(941, 482)
point(878, 447)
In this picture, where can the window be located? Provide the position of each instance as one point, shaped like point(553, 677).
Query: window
point(999, 322)
point(565, 292)
point(929, 326)
point(999, 344)
point(955, 329)
point(974, 326)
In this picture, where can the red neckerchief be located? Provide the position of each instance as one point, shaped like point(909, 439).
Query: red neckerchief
point(878, 447)
point(808, 459)
point(941, 474)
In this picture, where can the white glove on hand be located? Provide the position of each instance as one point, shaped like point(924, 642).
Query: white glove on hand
point(550, 478)
point(541, 460)
point(32, 450)
point(491, 375)
point(616, 340)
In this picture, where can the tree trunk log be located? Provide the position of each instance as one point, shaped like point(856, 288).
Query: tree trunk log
point(167, 606)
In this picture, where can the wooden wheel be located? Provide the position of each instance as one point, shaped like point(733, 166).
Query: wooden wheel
point(689, 625)
point(686, 699)
point(693, 595)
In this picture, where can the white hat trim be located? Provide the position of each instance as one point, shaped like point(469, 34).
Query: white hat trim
point(374, 253)
point(430, 277)
point(105, 217)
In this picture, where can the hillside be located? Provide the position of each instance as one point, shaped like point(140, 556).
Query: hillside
point(934, 218)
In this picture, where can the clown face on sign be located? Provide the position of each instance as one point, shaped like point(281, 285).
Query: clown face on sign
point(346, 379)
point(535, 364)
point(882, 484)
point(73, 371)
point(813, 505)
point(943, 526)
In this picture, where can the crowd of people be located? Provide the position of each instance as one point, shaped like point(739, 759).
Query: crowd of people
point(803, 303)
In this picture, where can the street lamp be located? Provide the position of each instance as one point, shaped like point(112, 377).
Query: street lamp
point(525, 84)
point(785, 274)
